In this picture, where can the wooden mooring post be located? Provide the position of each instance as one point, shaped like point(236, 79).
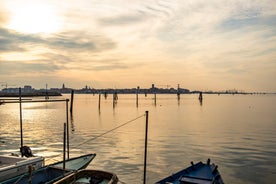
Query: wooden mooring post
point(67, 125)
point(178, 92)
point(146, 145)
point(20, 114)
point(99, 105)
point(72, 100)
point(155, 98)
point(200, 97)
point(137, 92)
point(64, 147)
point(115, 98)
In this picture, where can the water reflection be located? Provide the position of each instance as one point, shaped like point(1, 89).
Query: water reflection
point(72, 122)
point(239, 139)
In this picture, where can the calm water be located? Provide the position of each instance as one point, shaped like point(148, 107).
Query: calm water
point(236, 131)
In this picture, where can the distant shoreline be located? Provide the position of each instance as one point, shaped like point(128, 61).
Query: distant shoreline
point(31, 94)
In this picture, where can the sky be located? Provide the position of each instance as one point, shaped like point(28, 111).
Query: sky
point(198, 44)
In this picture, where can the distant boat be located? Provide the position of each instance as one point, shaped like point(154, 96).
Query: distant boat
point(11, 166)
point(89, 176)
point(198, 173)
point(53, 172)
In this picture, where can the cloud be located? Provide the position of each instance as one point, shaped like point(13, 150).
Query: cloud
point(9, 41)
point(72, 41)
point(121, 20)
point(17, 67)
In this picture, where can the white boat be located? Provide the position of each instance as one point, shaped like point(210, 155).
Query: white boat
point(53, 172)
point(11, 166)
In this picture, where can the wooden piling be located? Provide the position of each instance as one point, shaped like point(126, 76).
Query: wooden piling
point(20, 114)
point(155, 98)
point(64, 147)
point(146, 145)
point(200, 96)
point(115, 98)
point(67, 125)
point(137, 92)
point(72, 100)
point(178, 92)
point(99, 105)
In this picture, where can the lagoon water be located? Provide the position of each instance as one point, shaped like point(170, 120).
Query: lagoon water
point(237, 132)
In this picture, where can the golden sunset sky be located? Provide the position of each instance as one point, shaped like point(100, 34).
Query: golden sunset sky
point(199, 44)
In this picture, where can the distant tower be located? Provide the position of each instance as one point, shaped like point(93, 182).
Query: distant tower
point(63, 86)
point(152, 86)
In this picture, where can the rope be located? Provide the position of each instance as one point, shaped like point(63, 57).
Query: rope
point(19, 179)
point(122, 182)
point(110, 130)
point(103, 134)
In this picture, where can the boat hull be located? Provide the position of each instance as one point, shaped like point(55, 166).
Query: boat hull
point(198, 173)
point(11, 166)
point(53, 172)
point(89, 176)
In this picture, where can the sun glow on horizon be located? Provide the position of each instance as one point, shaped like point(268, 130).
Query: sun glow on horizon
point(32, 18)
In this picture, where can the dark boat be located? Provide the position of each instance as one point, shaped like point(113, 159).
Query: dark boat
point(87, 176)
point(198, 173)
point(53, 172)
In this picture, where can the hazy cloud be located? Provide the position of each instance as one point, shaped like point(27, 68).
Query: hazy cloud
point(173, 40)
point(16, 67)
point(75, 41)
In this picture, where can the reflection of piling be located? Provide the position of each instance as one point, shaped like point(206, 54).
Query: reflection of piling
point(137, 92)
point(72, 99)
point(115, 98)
point(105, 94)
point(99, 106)
point(200, 98)
point(178, 92)
point(154, 98)
point(72, 123)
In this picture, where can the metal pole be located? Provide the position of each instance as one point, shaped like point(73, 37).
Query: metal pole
point(146, 144)
point(67, 124)
point(64, 146)
point(21, 126)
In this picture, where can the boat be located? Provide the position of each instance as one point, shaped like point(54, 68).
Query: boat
point(198, 173)
point(53, 172)
point(13, 165)
point(88, 176)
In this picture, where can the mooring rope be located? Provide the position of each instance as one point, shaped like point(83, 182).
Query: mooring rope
point(120, 181)
point(110, 130)
point(130, 121)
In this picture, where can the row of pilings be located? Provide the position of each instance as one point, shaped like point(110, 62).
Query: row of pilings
point(115, 98)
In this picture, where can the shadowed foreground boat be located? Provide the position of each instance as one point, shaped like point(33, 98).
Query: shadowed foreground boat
point(53, 172)
point(11, 166)
point(198, 173)
point(87, 176)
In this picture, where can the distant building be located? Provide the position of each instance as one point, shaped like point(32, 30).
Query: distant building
point(27, 89)
point(10, 90)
